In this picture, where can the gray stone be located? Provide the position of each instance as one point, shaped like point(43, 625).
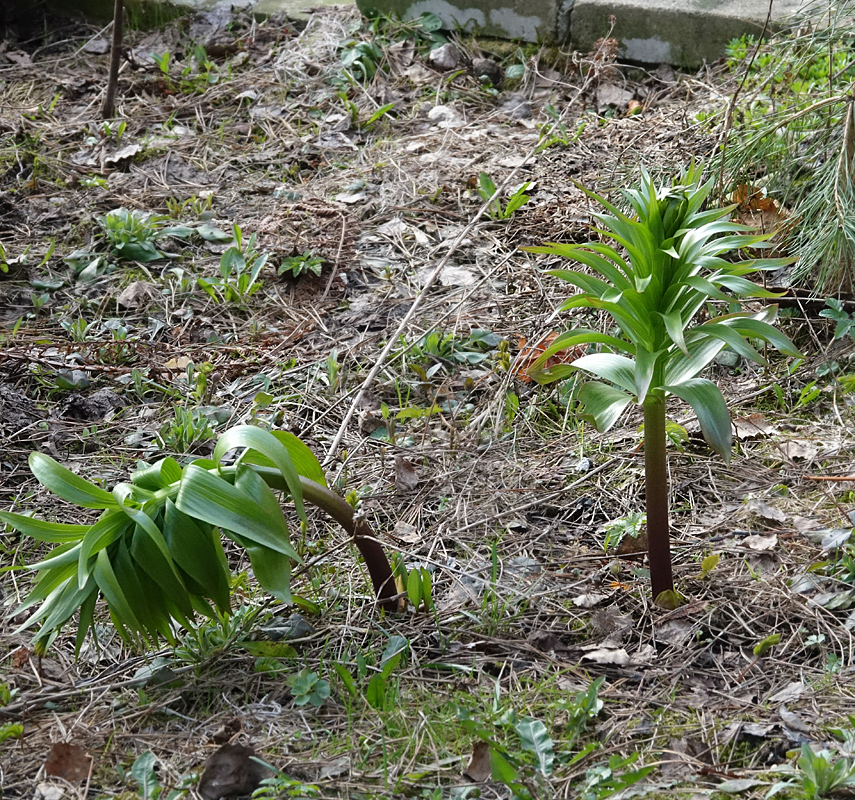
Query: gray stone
point(684, 33)
point(446, 57)
point(681, 32)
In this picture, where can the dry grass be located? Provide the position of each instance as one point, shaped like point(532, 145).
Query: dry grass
point(528, 609)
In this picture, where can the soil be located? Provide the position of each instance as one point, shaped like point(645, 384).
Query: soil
point(371, 165)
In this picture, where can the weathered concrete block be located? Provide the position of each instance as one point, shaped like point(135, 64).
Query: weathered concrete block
point(527, 20)
point(681, 32)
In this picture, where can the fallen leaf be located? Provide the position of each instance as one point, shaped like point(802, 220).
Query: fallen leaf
point(97, 46)
point(605, 655)
point(478, 769)
point(836, 537)
point(231, 770)
point(738, 785)
point(529, 354)
point(792, 691)
point(799, 450)
point(630, 545)
point(793, 721)
point(456, 276)
point(134, 294)
point(752, 427)
point(406, 532)
point(761, 543)
point(406, 477)
point(610, 95)
point(19, 57)
point(766, 512)
point(180, 362)
point(68, 761)
point(589, 600)
point(20, 657)
point(335, 768)
point(759, 211)
point(123, 154)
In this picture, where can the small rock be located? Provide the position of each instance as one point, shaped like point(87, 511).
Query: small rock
point(489, 69)
point(445, 58)
point(727, 358)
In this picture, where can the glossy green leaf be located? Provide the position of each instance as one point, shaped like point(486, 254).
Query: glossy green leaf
point(120, 608)
point(157, 476)
point(86, 620)
point(706, 401)
point(414, 588)
point(535, 739)
point(762, 330)
point(149, 550)
point(645, 370)
point(144, 600)
point(610, 367)
point(674, 325)
point(67, 485)
point(103, 533)
point(733, 339)
point(199, 553)
point(49, 579)
point(215, 501)
point(304, 459)
point(54, 532)
point(603, 403)
point(268, 445)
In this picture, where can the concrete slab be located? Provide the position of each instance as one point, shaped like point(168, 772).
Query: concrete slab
point(684, 33)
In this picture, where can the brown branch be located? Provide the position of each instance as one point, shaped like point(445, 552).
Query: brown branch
point(107, 107)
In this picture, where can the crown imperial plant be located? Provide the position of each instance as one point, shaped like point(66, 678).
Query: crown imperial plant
point(652, 273)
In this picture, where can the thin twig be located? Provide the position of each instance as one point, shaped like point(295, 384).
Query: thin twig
point(728, 120)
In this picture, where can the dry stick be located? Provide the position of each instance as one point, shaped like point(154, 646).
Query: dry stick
point(728, 120)
point(115, 58)
point(378, 365)
point(393, 339)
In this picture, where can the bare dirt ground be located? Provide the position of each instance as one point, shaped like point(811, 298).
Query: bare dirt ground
point(464, 468)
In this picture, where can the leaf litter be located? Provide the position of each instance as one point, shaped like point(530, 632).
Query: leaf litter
point(263, 130)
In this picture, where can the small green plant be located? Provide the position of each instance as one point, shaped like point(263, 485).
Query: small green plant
point(843, 320)
point(76, 329)
point(200, 74)
point(381, 691)
point(631, 525)
point(144, 774)
point(554, 132)
point(240, 266)
point(184, 432)
point(132, 234)
point(301, 264)
point(11, 730)
point(822, 775)
point(162, 62)
point(280, 785)
point(417, 582)
point(670, 264)
point(487, 188)
point(308, 688)
point(605, 780)
point(361, 60)
point(155, 553)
